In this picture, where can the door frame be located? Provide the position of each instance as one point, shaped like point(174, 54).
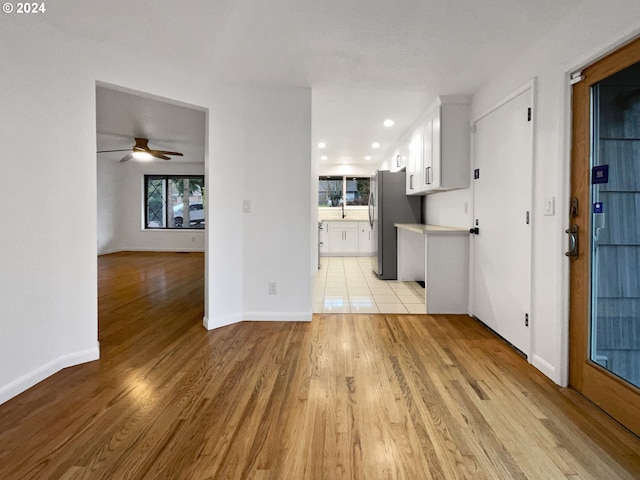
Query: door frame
point(584, 374)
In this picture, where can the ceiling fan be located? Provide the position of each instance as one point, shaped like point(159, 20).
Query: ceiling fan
point(141, 151)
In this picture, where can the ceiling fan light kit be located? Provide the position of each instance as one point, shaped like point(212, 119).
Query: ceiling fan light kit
point(141, 151)
point(144, 156)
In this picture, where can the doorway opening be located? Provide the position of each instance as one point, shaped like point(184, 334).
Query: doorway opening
point(147, 206)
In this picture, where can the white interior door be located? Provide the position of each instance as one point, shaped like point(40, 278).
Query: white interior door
point(503, 156)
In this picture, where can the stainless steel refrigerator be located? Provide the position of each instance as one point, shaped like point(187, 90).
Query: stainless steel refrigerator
point(389, 204)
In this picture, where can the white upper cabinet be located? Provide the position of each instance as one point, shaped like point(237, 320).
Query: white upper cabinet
point(439, 148)
point(415, 162)
point(398, 161)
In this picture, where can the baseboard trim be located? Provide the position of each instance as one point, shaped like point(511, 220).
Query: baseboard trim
point(211, 324)
point(159, 250)
point(346, 254)
point(545, 367)
point(278, 316)
point(27, 381)
point(109, 252)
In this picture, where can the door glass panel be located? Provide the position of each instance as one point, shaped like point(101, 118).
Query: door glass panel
point(615, 224)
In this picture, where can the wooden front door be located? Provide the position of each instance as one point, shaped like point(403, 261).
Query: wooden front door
point(604, 236)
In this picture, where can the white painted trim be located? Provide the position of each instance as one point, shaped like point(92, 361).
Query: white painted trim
point(523, 88)
point(544, 366)
point(257, 317)
point(211, 324)
point(110, 251)
point(589, 58)
point(562, 206)
point(27, 381)
point(278, 316)
point(161, 250)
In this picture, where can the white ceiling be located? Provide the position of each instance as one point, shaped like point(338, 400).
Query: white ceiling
point(123, 116)
point(366, 60)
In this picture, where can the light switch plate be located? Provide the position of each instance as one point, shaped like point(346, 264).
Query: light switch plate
point(549, 206)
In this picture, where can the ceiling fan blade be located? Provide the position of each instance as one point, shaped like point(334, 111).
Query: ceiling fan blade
point(142, 145)
point(165, 152)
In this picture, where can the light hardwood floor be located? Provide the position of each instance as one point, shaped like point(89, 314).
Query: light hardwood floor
point(344, 396)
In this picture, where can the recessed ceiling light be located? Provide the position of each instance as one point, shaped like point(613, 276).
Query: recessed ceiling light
point(388, 122)
point(322, 145)
point(367, 157)
point(375, 145)
point(323, 157)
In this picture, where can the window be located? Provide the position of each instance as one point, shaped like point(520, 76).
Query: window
point(334, 191)
point(330, 192)
point(358, 191)
point(174, 201)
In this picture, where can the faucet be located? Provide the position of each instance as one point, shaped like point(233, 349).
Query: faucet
point(343, 214)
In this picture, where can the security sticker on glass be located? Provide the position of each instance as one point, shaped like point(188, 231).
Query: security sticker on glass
point(597, 207)
point(600, 174)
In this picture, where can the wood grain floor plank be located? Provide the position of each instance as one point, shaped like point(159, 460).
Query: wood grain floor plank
point(345, 396)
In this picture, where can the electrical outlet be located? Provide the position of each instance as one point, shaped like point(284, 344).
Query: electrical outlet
point(273, 288)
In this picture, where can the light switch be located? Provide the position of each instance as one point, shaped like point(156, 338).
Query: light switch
point(549, 206)
point(246, 206)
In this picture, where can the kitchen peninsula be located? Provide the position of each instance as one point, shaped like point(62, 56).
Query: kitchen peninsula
point(438, 256)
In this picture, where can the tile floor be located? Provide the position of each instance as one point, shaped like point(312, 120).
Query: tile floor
point(348, 285)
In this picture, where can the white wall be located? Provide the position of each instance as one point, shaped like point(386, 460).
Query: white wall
point(108, 207)
point(275, 249)
point(121, 209)
point(593, 30)
point(348, 170)
point(48, 278)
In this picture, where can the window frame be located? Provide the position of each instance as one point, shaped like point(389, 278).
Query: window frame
point(345, 179)
point(166, 179)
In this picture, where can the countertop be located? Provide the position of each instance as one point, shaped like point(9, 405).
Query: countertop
point(431, 229)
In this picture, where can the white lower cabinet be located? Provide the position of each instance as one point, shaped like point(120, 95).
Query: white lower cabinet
point(346, 238)
point(364, 237)
point(343, 237)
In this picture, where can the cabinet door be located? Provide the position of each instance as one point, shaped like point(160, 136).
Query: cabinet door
point(364, 237)
point(394, 162)
point(415, 178)
point(411, 169)
point(336, 238)
point(324, 237)
point(428, 158)
point(404, 155)
point(350, 243)
point(436, 156)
